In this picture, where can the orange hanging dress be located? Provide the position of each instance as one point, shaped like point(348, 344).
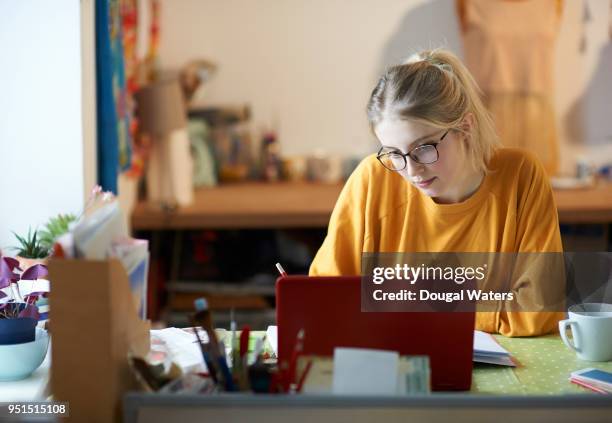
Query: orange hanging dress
point(509, 48)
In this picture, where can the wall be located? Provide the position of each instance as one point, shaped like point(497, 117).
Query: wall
point(43, 159)
point(308, 67)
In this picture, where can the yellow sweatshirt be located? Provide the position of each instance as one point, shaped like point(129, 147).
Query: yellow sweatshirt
point(512, 211)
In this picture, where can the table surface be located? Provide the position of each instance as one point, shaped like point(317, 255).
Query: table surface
point(286, 205)
point(545, 364)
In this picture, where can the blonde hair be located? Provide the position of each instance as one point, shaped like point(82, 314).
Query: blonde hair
point(433, 87)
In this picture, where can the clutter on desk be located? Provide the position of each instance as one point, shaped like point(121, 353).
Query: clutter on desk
point(210, 361)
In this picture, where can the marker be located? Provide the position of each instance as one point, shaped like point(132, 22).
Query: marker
point(281, 270)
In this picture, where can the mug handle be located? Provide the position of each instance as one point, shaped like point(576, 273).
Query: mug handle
point(563, 324)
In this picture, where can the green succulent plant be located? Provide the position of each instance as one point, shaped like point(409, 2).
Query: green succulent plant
point(54, 228)
point(30, 246)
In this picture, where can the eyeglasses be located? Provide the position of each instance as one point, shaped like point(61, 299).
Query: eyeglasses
point(393, 159)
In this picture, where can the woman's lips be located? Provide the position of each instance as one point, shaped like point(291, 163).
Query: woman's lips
point(424, 184)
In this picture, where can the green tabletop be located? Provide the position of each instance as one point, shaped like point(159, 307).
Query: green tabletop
point(545, 364)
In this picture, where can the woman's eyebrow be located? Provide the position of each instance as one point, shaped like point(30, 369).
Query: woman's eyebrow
point(423, 138)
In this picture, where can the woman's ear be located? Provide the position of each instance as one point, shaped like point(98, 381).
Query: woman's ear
point(468, 124)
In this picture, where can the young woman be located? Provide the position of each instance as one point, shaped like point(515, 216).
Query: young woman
point(441, 183)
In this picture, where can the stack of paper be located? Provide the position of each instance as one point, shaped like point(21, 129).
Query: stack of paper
point(594, 379)
point(182, 347)
point(487, 350)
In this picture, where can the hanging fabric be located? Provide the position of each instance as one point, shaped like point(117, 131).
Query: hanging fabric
point(509, 48)
point(114, 114)
point(108, 137)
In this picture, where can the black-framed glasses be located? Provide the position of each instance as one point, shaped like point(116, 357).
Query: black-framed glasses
point(394, 159)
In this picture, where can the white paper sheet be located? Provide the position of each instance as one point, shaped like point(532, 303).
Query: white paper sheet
point(360, 371)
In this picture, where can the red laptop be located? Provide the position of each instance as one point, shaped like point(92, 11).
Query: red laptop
point(329, 311)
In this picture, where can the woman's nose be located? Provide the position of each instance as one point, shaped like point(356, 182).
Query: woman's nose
point(413, 168)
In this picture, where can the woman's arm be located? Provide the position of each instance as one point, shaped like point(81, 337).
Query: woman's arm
point(540, 281)
point(340, 253)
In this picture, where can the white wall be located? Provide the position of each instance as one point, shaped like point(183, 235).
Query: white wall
point(308, 67)
point(42, 153)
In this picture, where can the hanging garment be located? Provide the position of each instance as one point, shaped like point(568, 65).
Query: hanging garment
point(509, 48)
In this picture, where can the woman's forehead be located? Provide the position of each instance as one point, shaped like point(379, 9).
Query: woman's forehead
point(402, 134)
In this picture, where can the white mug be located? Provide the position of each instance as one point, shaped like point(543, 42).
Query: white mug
point(591, 325)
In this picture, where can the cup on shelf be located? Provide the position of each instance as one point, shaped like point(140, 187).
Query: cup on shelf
point(591, 327)
point(325, 169)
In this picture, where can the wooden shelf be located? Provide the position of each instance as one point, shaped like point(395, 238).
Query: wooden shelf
point(246, 205)
point(588, 205)
point(309, 205)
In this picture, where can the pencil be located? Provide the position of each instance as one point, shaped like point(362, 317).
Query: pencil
point(281, 270)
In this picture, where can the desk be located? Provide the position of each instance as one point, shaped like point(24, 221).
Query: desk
point(545, 365)
point(289, 205)
point(536, 391)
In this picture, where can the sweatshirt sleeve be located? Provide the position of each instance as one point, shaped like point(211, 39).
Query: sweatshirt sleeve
point(340, 253)
point(541, 276)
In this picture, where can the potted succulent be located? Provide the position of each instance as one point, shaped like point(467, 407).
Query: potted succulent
point(30, 250)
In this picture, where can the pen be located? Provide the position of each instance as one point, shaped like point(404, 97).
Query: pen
point(204, 319)
point(227, 375)
point(233, 346)
point(281, 270)
point(205, 355)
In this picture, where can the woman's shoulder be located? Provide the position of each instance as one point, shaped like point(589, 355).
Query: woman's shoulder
point(517, 173)
point(516, 162)
point(369, 173)
point(371, 183)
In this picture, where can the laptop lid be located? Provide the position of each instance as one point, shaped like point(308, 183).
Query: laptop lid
point(329, 311)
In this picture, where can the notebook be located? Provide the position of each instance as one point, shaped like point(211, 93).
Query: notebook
point(487, 350)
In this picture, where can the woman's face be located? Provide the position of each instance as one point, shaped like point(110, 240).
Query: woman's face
point(448, 180)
